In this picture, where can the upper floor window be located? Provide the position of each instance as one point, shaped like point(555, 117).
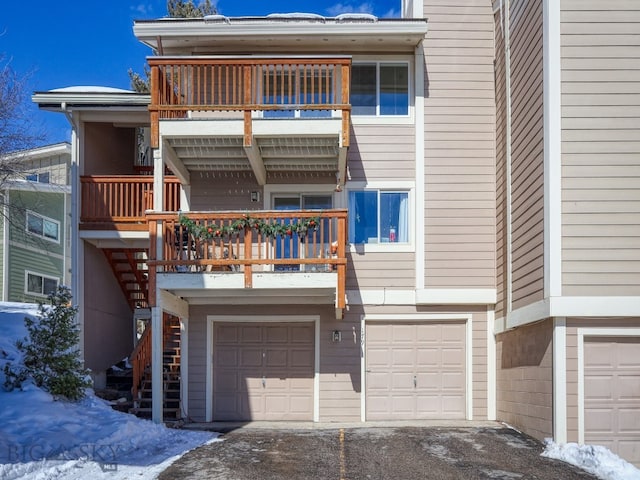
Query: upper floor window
point(40, 285)
point(42, 177)
point(43, 226)
point(380, 89)
point(378, 216)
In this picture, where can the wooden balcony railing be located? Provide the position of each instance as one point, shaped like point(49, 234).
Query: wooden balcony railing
point(180, 85)
point(140, 360)
point(123, 199)
point(247, 242)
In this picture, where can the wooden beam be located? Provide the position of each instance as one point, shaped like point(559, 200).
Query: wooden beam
point(175, 164)
point(257, 164)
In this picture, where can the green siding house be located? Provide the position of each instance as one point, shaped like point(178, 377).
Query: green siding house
point(35, 224)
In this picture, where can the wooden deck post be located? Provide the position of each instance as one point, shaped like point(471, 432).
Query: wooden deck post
point(248, 247)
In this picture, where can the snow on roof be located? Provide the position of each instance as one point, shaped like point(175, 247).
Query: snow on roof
point(351, 17)
point(216, 18)
point(90, 89)
point(296, 16)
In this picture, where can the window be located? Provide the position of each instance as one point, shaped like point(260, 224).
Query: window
point(43, 227)
point(41, 285)
point(380, 89)
point(378, 216)
point(42, 177)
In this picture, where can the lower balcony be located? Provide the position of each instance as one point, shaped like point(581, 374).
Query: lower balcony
point(258, 257)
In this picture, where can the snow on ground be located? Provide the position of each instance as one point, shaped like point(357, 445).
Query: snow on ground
point(592, 458)
point(45, 439)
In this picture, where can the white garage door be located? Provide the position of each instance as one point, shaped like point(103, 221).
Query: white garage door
point(263, 371)
point(612, 395)
point(415, 371)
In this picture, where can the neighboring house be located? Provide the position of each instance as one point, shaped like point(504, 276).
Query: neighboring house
point(36, 251)
point(464, 218)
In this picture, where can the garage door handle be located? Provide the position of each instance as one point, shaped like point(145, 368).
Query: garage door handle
point(264, 382)
point(415, 382)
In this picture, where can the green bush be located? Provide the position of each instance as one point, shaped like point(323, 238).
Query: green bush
point(50, 355)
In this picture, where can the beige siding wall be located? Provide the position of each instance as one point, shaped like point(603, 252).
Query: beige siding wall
point(527, 145)
point(480, 367)
point(501, 169)
point(572, 361)
point(525, 378)
point(600, 145)
point(459, 145)
point(108, 319)
point(382, 152)
point(57, 166)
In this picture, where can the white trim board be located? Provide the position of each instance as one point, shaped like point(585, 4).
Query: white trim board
point(211, 319)
point(593, 332)
point(426, 318)
point(571, 307)
point(560, 380)
point(431, 296)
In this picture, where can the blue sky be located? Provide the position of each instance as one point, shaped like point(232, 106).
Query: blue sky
point(87, 42)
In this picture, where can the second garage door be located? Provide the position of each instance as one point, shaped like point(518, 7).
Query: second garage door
point(415, 371)
point(263, 371)
point(612, 395)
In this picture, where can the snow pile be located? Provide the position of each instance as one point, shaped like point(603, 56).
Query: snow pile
point(592, 458)
point(48, 439)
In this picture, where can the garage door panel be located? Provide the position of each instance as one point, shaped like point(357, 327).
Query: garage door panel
point(250, 357)
point(250, 334)
point(612, 394)
point(407, 365)
point(260, 373)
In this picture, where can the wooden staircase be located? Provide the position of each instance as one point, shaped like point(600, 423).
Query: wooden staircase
point(142, 394)
point(129, 265)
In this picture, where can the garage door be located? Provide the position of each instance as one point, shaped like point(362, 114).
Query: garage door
point(263, 371)
point(415, 371)
point(612, 395)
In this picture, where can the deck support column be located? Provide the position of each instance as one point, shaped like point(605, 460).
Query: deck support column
point(156, 365)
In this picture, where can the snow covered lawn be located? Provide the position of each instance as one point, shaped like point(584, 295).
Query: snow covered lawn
point(41, 438)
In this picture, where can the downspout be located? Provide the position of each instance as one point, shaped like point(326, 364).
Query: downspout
point(508, 192)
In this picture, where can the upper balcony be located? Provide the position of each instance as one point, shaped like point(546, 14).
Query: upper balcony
point(251, 113)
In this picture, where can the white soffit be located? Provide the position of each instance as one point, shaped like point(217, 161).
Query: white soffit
point(263, 33)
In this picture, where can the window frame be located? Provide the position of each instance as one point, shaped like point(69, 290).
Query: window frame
point(43, 277)
point(37, 177)
point(44, 219)
point(387, 119)
point(386, 187)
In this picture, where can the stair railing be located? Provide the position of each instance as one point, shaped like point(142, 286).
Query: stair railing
point(140, 360)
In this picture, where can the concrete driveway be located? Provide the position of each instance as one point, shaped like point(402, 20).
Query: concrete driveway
point(403, 453)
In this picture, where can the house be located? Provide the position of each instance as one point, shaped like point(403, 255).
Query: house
point(356, 219)
point(35, 253)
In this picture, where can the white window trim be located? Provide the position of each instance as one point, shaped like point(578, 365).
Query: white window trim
point(393, 186)
point(37, 274)
point(38, 175)
point(44, 219)
point(388, 119)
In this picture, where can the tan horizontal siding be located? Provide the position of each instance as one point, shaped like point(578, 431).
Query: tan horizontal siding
point(459, 145)
point(527, 153)
point(600, 145)
point(381, 270)
point(380, 152)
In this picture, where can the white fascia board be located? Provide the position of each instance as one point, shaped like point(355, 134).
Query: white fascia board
point(89, 98)
point(27, 186)
point(595, 306)
point(150, 31)
point(456, 296)
point(42, 152)
point(573, 307)
point(114, 235)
